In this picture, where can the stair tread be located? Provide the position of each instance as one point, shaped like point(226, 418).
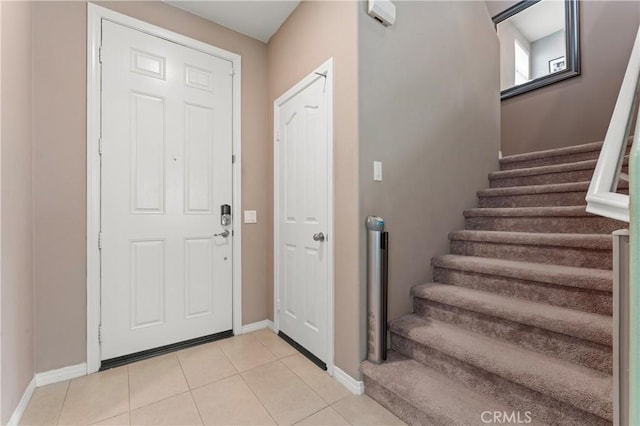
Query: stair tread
point(582, 387)
point(556, 152)
point(442, 399)
point(570, 276)
point(586, 241)
point(536, 211)
point(535, 189)
point(579, 324)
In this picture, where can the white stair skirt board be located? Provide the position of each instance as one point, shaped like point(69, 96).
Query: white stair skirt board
point(354, 386)
point(43, 379)
point(22, 405)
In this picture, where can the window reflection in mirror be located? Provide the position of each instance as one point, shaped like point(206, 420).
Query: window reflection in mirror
point(538, 44)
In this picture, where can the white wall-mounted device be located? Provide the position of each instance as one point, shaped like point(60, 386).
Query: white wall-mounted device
point(377, 171)
point(382, 11)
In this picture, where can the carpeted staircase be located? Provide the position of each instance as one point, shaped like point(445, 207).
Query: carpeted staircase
point(517, 324)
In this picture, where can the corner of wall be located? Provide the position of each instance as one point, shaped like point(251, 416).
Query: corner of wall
point(16, 310)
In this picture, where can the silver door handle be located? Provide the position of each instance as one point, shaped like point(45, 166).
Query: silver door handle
point(318, 237)
point(223, 234)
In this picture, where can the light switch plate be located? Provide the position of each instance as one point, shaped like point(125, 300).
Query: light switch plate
point(250, 216)
point(377, 171)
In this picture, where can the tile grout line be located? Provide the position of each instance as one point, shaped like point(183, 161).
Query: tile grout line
point(129, 389)
point(228, 359)
point(329, 404)
point(186, 379)
point(209, 383)
point(151, 403)
point(258, 398)
point(297, 353)
point(239, 374)
point(64, 400)
point(316, 412)
point(303, 382)
point(197, 408)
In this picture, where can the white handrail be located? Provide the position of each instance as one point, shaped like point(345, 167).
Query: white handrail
point(601, 197)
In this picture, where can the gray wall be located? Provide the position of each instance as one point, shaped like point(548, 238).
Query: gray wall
point(545, 49)
point(508, 34)
point(430, 111)
point(577, 110)
point(17, 334)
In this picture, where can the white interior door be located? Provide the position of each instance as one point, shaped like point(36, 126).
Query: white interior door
point(166, 170)
point(303, 209)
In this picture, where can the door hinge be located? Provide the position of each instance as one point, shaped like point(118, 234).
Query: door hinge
point(100, 146)
point(99, 333)
point(278, 135)
point(278, 305)
point(100, 54)
point(99, 240)
point(233, 159)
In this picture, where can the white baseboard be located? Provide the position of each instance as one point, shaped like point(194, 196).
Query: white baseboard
point(356, 387)
point(22, 405)
point(66, 373)
point(42, 379)
point(255, 326)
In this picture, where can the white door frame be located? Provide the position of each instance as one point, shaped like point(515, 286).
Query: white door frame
point(95, 14)
point(326, 69)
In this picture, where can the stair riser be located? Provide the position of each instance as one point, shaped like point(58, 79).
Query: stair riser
point(570, 256)
point(551, 161)
point(559, 159)
point(534, 200)
point(571, 224)
point(577, 351)
point(598, 302)
point(521, 398)
point(407, 412)
point(550, 199)
point(545, 179)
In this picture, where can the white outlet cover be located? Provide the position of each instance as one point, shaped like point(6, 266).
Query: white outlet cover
point(250, 216)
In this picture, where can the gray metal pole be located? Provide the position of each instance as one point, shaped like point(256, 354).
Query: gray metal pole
point(376, 291)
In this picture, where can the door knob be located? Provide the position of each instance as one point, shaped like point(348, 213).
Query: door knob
point(223, 234)
point(318, 237)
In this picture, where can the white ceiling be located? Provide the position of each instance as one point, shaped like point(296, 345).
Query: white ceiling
point(259, 19)
point(540, 20)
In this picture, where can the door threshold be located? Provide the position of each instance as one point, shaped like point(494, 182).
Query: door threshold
point(317, 361)
point(162, 350)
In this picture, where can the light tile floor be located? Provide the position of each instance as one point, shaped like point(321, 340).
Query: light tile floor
point(252, 379)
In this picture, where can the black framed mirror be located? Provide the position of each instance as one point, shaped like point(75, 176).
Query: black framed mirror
point(539, 44)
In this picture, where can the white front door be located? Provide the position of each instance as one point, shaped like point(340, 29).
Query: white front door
point(166, 171)
point(303, 209)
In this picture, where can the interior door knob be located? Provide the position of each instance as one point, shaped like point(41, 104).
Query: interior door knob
point(223, 234)
point(318, 237)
